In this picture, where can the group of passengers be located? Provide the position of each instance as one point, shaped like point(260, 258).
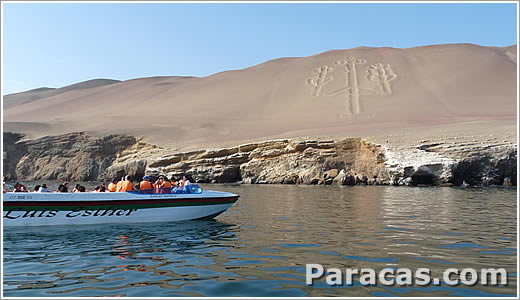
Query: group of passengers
point(162, 182)
point(126, 184)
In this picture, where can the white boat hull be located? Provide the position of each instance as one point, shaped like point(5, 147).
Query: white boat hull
point(37, 209)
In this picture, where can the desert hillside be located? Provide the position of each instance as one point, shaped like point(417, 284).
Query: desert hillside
point(356, 92)
point(45, 92)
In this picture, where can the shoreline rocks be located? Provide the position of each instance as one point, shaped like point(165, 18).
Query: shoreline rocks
point(347, 161)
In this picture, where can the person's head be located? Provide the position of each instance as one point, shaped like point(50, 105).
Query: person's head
point(102, 189)
point(127, 177)
point(173, 178)
point(184, 177)
point(62, 189)
point(44, 185)
point(37, 187)
point(147, 178)
point(81, 189)
point(66, 184)
point(114, 180)
point(78, 185)
point(97, 188)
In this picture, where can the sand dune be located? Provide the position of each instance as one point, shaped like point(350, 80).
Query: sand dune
point(45, 92)
point(360, 91)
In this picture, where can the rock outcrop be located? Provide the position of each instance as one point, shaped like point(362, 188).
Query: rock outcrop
point(281, 161)
point(347, 161)
point(454, 163)
point(75, 156)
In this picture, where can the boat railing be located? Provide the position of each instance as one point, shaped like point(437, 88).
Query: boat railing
point(190, 189)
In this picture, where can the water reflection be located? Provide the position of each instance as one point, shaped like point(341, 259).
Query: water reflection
point(261, 245)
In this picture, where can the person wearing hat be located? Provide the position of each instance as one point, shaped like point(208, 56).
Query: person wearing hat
point(146, 184)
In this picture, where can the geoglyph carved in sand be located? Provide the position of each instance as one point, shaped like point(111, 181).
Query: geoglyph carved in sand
point(321, 80)
point(378, 74)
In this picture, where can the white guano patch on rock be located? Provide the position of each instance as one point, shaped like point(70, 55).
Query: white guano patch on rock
point(402, 165)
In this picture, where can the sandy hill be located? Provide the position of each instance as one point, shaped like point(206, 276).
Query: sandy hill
point(45, 92)
point(353, 92)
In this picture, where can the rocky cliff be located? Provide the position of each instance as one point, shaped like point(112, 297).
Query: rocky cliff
point(346, 161)
point(75, 156)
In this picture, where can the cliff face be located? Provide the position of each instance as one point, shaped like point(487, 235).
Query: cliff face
point(75, 156)
point(454, 163)
point(347, 161)
point(13, 152)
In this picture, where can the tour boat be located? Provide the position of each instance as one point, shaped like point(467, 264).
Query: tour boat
point(154, 205)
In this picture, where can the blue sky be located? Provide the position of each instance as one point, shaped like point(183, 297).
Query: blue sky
point(56, 44)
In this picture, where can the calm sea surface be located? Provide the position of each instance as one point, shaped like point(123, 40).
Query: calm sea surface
point(260, 246)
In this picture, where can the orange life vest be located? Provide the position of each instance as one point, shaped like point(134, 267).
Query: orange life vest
point(166, 184)
point(119, 185)
point(127, 186)
point(112, 187)
point(183, 182)
point(145, 185)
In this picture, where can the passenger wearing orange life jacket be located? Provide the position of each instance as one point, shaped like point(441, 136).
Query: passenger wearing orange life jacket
point(157, 184)
point(172, 181)
point(146, 184)
point(162, 182)
point(166, 184)
point(112, 186)
point(119, 184)
point(185, 181)
point(127, 185)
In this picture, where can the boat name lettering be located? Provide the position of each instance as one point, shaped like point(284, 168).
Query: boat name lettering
point(17, 212)
point(20, 197)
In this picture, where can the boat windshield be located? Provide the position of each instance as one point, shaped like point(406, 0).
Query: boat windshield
point(190, 189)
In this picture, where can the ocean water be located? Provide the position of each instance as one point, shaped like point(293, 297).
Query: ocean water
point(261, 245)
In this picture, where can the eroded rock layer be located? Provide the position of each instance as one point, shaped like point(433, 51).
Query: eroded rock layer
point(347, 161)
